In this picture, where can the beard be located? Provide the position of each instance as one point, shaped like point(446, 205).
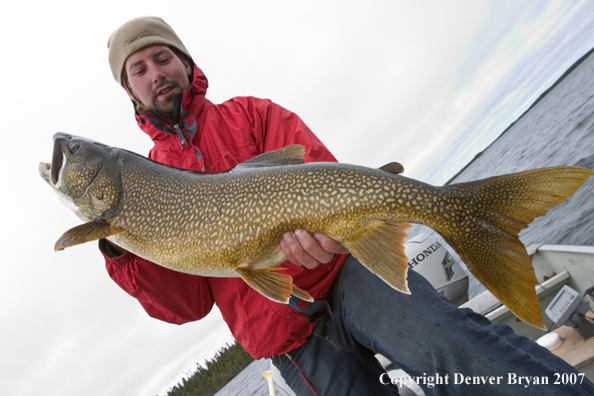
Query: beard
point(163, 107)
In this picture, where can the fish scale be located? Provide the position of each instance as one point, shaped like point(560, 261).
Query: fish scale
point(230, 224)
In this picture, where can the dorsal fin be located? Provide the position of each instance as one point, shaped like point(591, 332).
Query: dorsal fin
point(393, 167)
point(290, 155)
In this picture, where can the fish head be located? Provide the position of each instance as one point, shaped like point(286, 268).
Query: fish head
point(86, 175)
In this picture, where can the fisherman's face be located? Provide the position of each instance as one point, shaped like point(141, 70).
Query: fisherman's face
point(155, 74)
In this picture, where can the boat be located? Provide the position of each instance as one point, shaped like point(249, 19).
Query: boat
point(557, 268)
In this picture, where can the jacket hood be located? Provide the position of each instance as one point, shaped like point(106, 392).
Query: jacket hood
point(193, 100)
point(199, 81)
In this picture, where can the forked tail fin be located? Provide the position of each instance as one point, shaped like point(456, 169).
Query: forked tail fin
point(487, 217)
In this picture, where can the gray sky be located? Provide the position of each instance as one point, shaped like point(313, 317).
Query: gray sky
point(425, 83)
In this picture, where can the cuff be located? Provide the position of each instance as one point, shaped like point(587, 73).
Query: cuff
point(108, 250)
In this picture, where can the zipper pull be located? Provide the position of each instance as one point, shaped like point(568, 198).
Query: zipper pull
point(180, 135)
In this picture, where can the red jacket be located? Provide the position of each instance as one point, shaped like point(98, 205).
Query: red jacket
point(218, 137)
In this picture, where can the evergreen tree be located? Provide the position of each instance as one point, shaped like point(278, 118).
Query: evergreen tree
point(229, 361)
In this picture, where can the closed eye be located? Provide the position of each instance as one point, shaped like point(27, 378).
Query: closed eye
point(164, 60)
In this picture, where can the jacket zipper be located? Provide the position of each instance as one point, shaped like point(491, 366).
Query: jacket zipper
point(180, 135)
point(176, 118)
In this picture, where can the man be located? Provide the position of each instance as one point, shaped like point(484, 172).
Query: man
point(325, 347)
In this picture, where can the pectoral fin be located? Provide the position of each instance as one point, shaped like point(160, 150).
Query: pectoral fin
point(277, 287)
point(85, 233)
point(380, 248)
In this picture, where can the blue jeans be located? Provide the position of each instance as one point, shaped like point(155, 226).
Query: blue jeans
point(426, 336)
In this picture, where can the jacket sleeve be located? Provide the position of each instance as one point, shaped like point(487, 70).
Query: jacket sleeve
point(167, 295)
point(176, 297)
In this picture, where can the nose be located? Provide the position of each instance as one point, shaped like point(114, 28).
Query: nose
point(156, 73)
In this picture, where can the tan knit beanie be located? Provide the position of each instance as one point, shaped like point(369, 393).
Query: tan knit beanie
point(135, 35)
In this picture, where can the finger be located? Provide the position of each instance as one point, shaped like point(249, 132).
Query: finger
point(312, 247)
point(329, 244)
point(295, 253)
point(286, 246)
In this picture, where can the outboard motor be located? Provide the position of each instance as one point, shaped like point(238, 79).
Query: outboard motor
point(429, 258)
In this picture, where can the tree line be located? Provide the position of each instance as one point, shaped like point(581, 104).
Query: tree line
point(228, 361)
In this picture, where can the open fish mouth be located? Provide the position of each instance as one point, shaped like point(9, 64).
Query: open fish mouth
point(51, 172)
point(45, 171)
point(56, 160)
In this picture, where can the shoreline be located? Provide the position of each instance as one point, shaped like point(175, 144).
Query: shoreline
point(542, 96)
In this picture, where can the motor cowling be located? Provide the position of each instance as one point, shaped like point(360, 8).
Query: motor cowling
point(428, 257)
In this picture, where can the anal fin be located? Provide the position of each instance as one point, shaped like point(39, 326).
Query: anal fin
point(85, 233)
point(380, 247)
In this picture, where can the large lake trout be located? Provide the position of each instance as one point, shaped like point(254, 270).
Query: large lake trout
point(230, 224)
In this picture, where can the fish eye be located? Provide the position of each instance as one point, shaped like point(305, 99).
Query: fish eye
point(73, 147)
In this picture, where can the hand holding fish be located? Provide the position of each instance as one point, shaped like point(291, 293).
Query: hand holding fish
point(307, 250)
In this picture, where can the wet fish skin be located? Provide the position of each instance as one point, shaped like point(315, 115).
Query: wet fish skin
point(230, 224)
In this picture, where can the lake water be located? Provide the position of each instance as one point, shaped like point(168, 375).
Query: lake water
point(557, 130)
point(249, 382)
